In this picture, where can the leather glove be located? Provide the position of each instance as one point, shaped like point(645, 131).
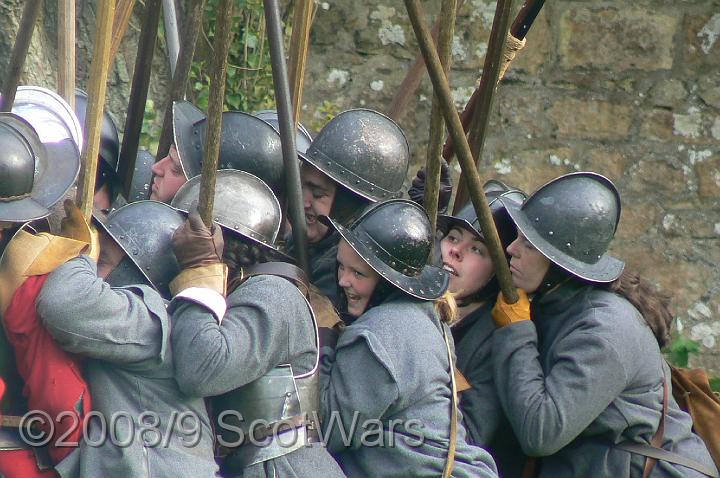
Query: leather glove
point(417, 190)
point(74, 226)
point(195, 244)
point(504, 314)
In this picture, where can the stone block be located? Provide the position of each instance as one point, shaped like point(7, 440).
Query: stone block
point(669, 93)
point(702, 40)
point(659, 178)
point(709, 89)
point(608, 162)
point(636, 218)
point(530, 169)
point(617, 38)
point(708, 177)
point(657, 125)
point(591, 119)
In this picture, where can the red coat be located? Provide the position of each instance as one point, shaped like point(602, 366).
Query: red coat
point(53, 378)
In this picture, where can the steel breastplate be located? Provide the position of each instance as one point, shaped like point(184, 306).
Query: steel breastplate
point(277, 410)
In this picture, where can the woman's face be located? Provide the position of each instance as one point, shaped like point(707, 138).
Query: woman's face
point(466, 259)
point(356, 277)
point(527, 265)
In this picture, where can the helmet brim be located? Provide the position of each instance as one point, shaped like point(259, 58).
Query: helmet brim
point(60, 172)
point(606, 269)
point(185, 116)
point(430, 284)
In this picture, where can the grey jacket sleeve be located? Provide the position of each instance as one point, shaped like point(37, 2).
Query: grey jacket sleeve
point(548, 411)
point(253, 337)
point(87, 317)
point(357, 384)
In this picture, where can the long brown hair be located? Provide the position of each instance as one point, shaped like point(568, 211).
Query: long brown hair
point(238, 254)
point(653, 304)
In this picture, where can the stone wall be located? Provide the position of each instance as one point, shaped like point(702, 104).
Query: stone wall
point(627, 89)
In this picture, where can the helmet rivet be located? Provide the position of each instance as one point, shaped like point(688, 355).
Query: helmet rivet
point(569, 245)
point(372, 189)
point(411, 289)
point(550, 233)
point(537, 219)
point(599, 257)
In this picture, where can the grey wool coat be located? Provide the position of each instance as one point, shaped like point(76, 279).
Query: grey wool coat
point(267, 323)
point(389, 378)
point(584, 374)
point(484, 417)
point(125, 336)
point(323, 263)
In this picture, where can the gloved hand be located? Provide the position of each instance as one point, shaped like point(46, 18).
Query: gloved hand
point(417, 190)
point(195, 244)
point(504, 314)
point(74, 226)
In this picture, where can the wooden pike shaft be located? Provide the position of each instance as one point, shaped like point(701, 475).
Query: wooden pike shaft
point(452, 119)
point(437, 131)
point(19, 53)
point(178, 85)
point(123, 13)
point(223, 36)
point(486, 91)
point(96, 102)
point(138, 94)
point(299, 46)
point(66, 50)
point(413, 78)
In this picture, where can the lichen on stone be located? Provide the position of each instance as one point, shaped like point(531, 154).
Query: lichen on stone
point(688, 125)
point(709, 33)
point(338, 76)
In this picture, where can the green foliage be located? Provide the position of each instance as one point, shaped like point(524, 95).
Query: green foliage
point(152, 125)
point(325, 112)
point(249, 85)
point(679, 350)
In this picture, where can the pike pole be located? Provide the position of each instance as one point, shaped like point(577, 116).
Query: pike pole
point(123, 12)
point(287, 132)
point(96, 101)
point(452, 119)
point(172, 35)
point(413, 77)
point(178, 85)
point(138, 94)
point(299, 46)
point(435, 142)
point(476, 116)
point(218, 73)
point(66, 51)
point(19, 53)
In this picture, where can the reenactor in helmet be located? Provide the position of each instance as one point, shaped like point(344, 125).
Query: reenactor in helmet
point(465, 256)
point(257, 352)
point(34, 176)
point(393, 365)
point(113, 315)
point(358, 158)
point(248, 144)
point(579, 371)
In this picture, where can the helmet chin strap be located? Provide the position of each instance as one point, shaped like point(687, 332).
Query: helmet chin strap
point(554, 277)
